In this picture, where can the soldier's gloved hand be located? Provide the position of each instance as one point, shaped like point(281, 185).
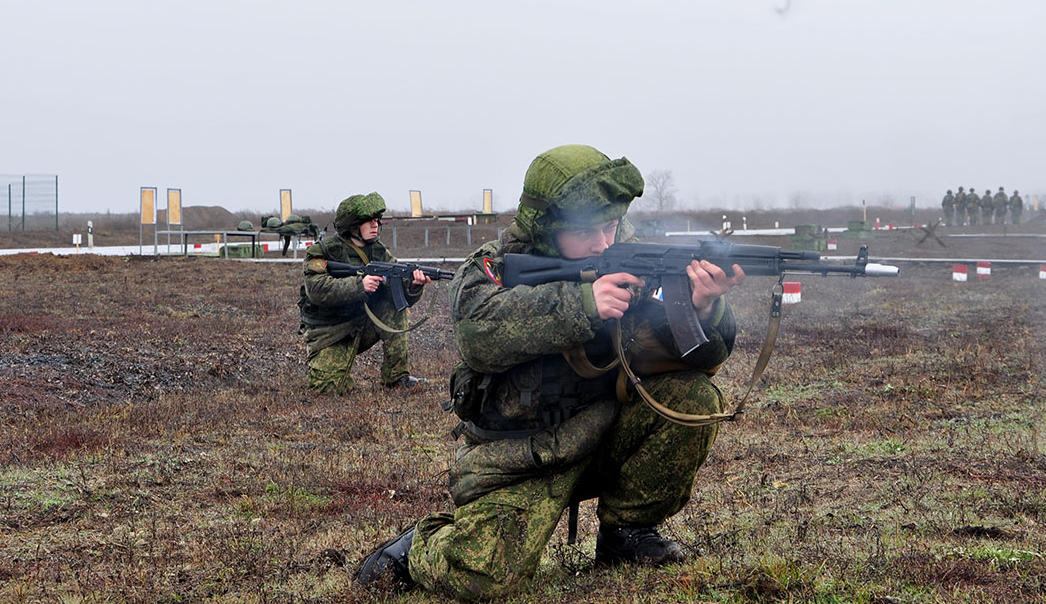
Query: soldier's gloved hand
point(420, 278)
point(708, 282)
point(612, 294)
point(371, 283)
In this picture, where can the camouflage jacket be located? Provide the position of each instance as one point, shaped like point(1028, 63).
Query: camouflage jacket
point(948, 202)
point(332, 308)
point(1001, 202)
point(521, 337)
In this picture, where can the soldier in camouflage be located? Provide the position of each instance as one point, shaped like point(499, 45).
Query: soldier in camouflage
point(333, 318)
point(948, 205)
point(973, 207)
point(960, 207)
point(987, 207)
point(547, 418)
point(1001, 202)
point(1016, 208)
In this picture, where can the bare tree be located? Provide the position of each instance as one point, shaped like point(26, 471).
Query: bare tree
point(661, 189)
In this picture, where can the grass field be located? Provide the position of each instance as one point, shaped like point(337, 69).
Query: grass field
point(157, 445)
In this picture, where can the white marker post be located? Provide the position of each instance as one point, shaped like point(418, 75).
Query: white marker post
point(958, 272)
point(833, 245)
point(984, 270)
point(90, 234)
point(76, 241)
point(1042, 271)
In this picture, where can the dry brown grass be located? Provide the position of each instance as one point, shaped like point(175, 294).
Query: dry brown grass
point(158, 446)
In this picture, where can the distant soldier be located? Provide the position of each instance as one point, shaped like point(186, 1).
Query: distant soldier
point(960, 208)
point(973, 207)
point(948, 205)
point(987, 207)
point(1001, 202)
point(1016, 207)
point(294, 226)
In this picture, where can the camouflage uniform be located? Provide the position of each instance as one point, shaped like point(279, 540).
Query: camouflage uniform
point(948, 205)
point(960, 207)
point(973, 207)
point(1001, 202)
point(1016, 208)
point(335, 325)
point(542, 436)
point(987, 207)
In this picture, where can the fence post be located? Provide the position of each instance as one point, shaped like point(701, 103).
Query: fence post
point(448, 235)
point(468, 236)
point(394, 237)
point(426, 237)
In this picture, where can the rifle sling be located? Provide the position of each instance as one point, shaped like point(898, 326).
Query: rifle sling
point(578, 361)
point(689, 419)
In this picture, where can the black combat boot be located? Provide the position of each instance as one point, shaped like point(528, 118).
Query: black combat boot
point(641, 545)
point(386, 567)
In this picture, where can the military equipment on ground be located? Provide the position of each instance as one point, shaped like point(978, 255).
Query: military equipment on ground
point(393, 272)
point(664, 266)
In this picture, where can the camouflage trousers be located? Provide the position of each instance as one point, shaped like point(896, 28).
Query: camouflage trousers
point(330, 368)
point(642, 473)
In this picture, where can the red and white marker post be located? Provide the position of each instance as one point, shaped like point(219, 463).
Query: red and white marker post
point(984, 270)
point(958, 272)
point(792, 293)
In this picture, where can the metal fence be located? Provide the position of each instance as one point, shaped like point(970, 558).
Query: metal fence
point(31, 201)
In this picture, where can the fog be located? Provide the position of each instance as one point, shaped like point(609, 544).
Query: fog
point(747, 103)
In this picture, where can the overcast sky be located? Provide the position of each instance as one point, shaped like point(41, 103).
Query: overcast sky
point(747, 102)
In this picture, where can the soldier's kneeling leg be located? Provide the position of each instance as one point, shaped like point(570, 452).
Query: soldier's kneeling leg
point(330, 369)
point(645, 470)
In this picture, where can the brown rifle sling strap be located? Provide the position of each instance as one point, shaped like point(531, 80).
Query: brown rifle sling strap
point(578, 361)
point(384, 327)
point(373, 317)
point(689, 419)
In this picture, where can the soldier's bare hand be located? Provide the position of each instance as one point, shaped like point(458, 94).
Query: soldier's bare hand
point(371, 283)
point(708, 282)
point(612, 297)
point(420, 278)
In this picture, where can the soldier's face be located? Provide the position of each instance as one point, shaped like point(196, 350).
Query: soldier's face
point(575, 244)
point(370, 229)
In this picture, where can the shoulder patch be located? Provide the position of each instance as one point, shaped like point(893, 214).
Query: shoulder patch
point(318, 264)
point(492, 268)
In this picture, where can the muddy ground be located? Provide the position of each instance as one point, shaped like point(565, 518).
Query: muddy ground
point(157, 443)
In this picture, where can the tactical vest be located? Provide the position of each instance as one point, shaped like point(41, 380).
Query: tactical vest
point(527, 398)
point(313, 315)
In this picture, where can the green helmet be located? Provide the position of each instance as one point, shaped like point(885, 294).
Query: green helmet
point(573, 186)
point(273, 223)
point(245, 225)
point(292, 218)
point(355, 210)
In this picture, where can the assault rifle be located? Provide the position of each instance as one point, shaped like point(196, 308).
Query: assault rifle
point(664, 266)
point(393, 272)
